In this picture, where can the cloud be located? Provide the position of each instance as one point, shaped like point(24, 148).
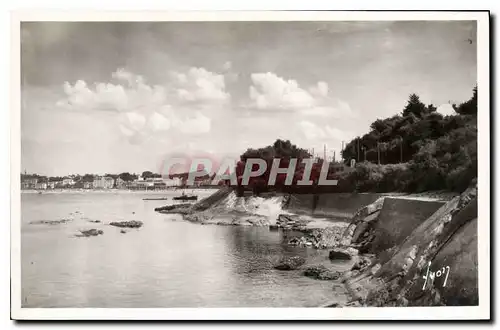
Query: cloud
point(272, 92)
point(446, 109)
point(130, 92)
point(320, 89)
point(200, 85)
point(158, 122)
point(135, 120)
point(312, 131)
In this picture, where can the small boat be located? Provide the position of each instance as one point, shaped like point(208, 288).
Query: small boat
point(185, 197)
point(155, 199)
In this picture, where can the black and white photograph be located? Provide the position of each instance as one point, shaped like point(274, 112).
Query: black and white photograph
point(265, 165)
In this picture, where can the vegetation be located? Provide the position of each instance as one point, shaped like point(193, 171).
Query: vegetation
point(417, 150)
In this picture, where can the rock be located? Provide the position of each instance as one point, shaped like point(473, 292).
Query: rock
point(320, 272)
point(360, 231)
point(361, 264)
point(332, 305)
point(90, 232)
point(329, 237)
point(50, 222)
point(342, 254)
point(183, 208)
point(294, 241)
point(127, 224)
point(123, 231)
point(375, 269)
point(290, 263)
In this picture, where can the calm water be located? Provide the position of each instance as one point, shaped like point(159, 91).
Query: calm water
point(166, 263)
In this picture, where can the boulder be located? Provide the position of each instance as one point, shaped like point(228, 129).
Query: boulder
point(320, 272)
point(290, 263)
point(342, 254)
point(361, 264)
point(90, 232)
point(50, 222)
point(183, 208)
point(361, 229)
point(127, 224)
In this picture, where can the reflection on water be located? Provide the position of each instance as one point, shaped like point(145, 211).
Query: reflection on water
point(166, 263)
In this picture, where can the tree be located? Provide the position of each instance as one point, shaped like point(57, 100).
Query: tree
point(88, 178)
point(414, 106)
point(126, 176)
point(147, 174)
point(469, 107)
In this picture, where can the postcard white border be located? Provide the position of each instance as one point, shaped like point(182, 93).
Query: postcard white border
point(367, 313)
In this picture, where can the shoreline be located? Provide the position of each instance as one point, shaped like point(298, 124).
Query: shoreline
point(377, 237)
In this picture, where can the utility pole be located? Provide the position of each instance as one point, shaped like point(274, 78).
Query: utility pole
point(334, 156)
point(401, 149)
point(378, 152)
point(358, 151)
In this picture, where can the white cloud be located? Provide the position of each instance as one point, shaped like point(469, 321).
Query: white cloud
point(158, 122)
point(270, 91)
point(446, 109)
point(312, 131)
point(135, 120)
point(200, 85)
point(130, 93)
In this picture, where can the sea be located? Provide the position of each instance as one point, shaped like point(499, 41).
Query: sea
point(168, 262)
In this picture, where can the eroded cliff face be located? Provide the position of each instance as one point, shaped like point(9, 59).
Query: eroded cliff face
point(435, 265)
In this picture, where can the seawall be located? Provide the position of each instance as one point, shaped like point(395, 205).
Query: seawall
point(417, 260)
point(397, 219)
point(339, 205)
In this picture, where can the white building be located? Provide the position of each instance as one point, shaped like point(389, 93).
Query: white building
point(103, 182)
point(41, 185)
point(68, 181)
point(174, 182)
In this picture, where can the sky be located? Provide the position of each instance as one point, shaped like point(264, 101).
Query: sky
point(111, 97)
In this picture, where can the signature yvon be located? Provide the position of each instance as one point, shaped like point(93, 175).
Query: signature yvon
point(432, 275)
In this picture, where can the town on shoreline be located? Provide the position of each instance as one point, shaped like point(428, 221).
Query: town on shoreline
point(146, 181)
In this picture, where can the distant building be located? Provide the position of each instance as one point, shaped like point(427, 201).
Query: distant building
point(29, 183)
point(158, 183)
point(41, 185)
point(174, 182)
point(103, 182)
point(67, 181)
point(120, 183)
point(88, 185)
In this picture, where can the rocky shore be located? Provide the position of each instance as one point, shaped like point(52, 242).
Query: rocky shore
point(389, 243)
